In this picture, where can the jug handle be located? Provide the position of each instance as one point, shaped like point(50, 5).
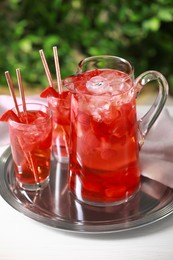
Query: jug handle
point(146, 122)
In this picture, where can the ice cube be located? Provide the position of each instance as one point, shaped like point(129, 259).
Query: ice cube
point(117, 81)
point(98, 85)
point(112, 76)
point(124, 87)
point(99, 107)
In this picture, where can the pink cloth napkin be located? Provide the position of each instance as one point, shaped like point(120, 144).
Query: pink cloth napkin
point(156, 155)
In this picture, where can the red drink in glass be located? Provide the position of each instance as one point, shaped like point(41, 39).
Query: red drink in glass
point(31, 142)
point(60, 107)
point(104, 166)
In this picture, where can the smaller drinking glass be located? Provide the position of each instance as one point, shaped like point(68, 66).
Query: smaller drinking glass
point(31, 143)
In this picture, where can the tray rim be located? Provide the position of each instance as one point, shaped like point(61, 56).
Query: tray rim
point(79, 226)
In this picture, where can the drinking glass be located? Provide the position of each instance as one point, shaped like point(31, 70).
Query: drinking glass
point(31, 143)
point(60, 107)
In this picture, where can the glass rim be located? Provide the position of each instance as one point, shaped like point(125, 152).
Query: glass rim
point(92, 58)
point(49, 112)
point(130, 75)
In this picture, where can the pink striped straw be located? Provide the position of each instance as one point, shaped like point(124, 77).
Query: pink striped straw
point(57, 68)
point(21, 90)
point(12, 92)
point(46, 68)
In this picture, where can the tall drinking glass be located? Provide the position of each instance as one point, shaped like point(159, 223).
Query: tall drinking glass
point(60, 107)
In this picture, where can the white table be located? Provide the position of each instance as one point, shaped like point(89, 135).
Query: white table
point(22, 238)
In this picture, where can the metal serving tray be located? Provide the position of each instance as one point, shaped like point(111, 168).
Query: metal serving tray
point(55, 206)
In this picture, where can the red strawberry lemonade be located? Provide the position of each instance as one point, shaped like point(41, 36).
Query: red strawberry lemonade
point(31, 141)
point(104, 166)
point(60, 107)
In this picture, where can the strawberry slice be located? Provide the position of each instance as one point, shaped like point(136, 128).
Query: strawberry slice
point(9, 114)
point(49, 91)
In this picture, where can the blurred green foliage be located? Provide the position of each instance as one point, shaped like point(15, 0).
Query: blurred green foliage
point(140, 31)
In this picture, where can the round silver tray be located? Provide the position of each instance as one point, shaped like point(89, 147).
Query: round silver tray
point(55, 206)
